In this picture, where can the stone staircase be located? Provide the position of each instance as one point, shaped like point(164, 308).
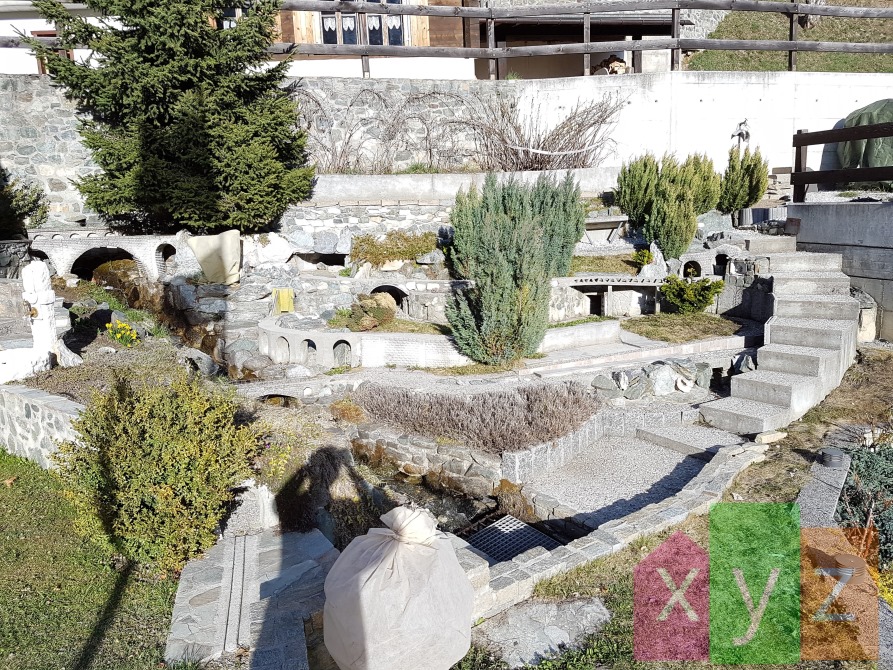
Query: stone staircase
point(809, 344)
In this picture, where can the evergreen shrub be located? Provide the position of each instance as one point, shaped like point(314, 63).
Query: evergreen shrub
point(153, 469)
point(20, 204)
point(189, 124)
point(744, 182)
point(510, 239)
point(635, 188)
point(672, 223)
point(690, 297)
point(642, 257)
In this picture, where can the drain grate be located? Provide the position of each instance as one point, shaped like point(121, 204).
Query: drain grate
point(509, 537)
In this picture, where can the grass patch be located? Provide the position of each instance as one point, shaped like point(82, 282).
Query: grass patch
point(579, 322)
point(677, 328)
point(765, 26)
point(472, 369)
point(417, 327)
point(340, 370)
point(63, 602)
point(621, 264)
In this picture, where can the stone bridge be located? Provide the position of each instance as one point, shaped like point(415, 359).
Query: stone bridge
point(83, 250)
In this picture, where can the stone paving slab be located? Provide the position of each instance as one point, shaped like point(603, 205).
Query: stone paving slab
point(818, 498)
point(618, 476)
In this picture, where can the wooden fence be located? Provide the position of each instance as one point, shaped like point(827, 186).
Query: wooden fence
point(590, 12)
point(800, 178)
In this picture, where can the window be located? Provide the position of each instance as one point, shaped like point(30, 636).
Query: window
point(229, 18)
point(41, 63)
point(380, 29)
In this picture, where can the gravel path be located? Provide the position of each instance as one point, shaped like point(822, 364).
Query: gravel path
point(618, 476)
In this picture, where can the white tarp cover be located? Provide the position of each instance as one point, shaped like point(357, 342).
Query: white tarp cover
point(397, 598)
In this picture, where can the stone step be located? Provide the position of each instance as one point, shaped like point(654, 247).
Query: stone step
point(810, 283)
point(817, 307)
point(803, 261)
point(820, 333)
point(770, 244)
point(794, 392)
point(696, 441)
point(800, 360)
point(744, 417)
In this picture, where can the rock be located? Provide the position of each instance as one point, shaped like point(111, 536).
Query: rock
point(683, 384)
point(70, 280)
point(325, 242)
point(663, 380)
point(621, 378)
point(657, 268)
point(704, 375)
point(674, 265)
point(345, 242)
point(256, 362)
point(198, 360)
point(301, 241)
point(105, 351)
point(605, 383)
point(65, 357)
point(385, 300)
point(434, 257)
point(743, 363)
point(392, 266)
point(685, 369)
point(770, 436)
point(297, 372)
point(639, 387)
point(272, 372)
point(364, 271)
point(532, 631)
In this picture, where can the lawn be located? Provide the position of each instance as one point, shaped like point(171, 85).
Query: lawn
point(397, 326)
point(677, 328)
point(65, 605)
point(621, 264)
point(764, 26)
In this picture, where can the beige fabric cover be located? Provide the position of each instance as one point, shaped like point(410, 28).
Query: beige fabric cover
point(397, 599)
point(220, 256)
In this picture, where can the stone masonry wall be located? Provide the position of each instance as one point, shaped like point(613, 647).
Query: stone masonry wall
point(32, 422)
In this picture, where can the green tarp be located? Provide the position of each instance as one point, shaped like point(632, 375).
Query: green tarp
point(875, 152)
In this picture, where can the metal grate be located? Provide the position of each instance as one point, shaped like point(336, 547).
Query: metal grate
point(509, 537)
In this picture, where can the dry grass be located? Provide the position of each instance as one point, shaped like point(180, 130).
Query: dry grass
point(347, 410)
point(580, 322)
point(677, 328)
point(621, 264)
point(473, 369)
point(417, 327)
point(493, 422)
point(764, 26)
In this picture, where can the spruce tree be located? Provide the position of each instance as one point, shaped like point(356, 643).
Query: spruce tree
point(187, 121)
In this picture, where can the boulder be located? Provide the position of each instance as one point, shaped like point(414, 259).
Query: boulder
point(743, 363)
point(663, 379)
point(621, 378)
point(604, 383)
point(704, 375)
point(273, 248)
point(392, 266)
point(325, 242)
point(657, 268)
point(256, 362)
point(301, 241)
point(65, 357)
point(639, 387)
point(434, 257)
point(198, 360)
point(297, 372)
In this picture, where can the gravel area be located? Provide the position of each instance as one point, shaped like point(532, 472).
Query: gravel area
point(618, 476)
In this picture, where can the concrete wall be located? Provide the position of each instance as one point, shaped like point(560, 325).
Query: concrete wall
point(33, 422)
point(863, 234)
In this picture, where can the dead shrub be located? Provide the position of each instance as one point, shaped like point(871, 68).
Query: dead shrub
point(347, 410)
point(493, 422)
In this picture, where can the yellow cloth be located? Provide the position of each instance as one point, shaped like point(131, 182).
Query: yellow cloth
point(283, 300)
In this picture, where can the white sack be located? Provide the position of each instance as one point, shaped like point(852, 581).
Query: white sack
point(397, 599)
point(220, 256)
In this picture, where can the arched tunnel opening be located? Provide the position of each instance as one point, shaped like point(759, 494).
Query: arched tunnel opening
point(91, 259)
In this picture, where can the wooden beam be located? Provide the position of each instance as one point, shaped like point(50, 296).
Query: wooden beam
point(491, 46)
point(842, 176)
point(675, 54)
point(782, 45)
point(803, 138)
point(587, 34)
point(792, 37)
point(799, 166)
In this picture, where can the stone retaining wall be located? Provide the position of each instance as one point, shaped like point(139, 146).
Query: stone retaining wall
point(32, 422)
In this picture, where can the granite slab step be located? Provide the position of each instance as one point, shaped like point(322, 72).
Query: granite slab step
point(820, 333)
point(795, 392)
point(810, 283)
point(770, 244)
point(744, 417)
point(800, 360)
point(838, 307)
point(803, 261)
point(697, 441)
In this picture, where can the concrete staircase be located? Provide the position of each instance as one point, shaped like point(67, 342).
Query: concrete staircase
point(809, 344)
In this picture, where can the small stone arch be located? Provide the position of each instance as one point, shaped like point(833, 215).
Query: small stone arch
point(343, 354)
point(308, 352)
point(691, 269)
point(720, 263)
point(278, 400)
point(165, 254)
point(87, 262)
point(281, 351)
point(398, 294)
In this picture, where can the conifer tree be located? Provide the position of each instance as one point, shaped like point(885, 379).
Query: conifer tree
point(187, 121)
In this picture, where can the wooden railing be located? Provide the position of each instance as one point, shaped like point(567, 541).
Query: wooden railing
point(800, 178)
point(590, 12)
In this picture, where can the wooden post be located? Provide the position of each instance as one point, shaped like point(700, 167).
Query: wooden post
point(792, 36)
point(363, 38)
point(491, 44)
point(675, 54)
point(637, 57)
point(800, 166)
point(587, 30)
